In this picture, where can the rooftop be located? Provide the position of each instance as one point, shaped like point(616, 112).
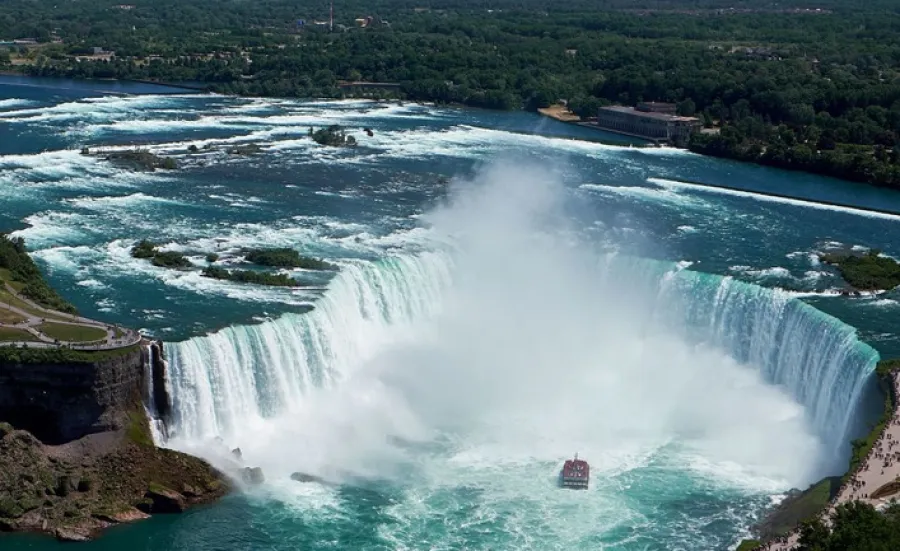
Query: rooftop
point(648, 114)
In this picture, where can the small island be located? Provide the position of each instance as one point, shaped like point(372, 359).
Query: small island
point(333, 136)
point(168, 259)
point(866, 272)
point(286, 258)
point(248, 149)
point(76, 451)
point(137, 159)
point(250, 276)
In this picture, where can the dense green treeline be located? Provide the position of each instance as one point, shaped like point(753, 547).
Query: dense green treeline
point(816, 91)
point(856, 526)
point(19, 268)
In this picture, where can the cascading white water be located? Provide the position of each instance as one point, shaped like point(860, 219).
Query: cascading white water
point(221, 380)
point(817, 357)
point(469, 341)
point(248, 372)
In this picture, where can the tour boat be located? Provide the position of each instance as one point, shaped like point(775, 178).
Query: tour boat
point(575, 474)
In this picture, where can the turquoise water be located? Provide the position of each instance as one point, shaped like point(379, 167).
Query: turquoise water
point(692, 395)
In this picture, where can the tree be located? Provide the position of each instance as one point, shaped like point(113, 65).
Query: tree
point(687, 108)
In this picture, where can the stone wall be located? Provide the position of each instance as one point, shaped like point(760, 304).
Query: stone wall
point(62, 402)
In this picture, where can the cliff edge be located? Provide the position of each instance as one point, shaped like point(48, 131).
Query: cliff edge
point(76, 450)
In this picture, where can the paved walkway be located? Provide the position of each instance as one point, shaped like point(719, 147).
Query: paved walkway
point(880, 467)
point(33, 322)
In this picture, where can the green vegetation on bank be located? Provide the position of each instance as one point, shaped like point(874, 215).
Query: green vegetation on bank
point(286, 258)
point(34, 355)
point(249, 276)
point(869, 272)
point(856, 526)
point(798, 507)
point(804, 86)
point(168, 259)
point(748, 545)
point(22, 270)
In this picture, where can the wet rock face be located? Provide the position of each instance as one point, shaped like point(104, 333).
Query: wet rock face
point(73, 492)
point(163, 500)
point(159, 369)
point(305, 478)
point(59, 403)
point(252, 475)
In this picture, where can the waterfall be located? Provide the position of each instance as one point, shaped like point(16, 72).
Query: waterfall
point(257, 371)
point(157, 426)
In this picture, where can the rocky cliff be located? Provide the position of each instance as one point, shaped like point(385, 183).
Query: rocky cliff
point(76, 452)
point(61, 402)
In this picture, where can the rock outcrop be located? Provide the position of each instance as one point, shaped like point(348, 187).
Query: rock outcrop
point(305, 478)
point(253, 475)
point(61, 402)
point(159, 367)
point(76, 451)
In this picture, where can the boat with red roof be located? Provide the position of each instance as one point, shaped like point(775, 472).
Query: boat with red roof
point(575, 474)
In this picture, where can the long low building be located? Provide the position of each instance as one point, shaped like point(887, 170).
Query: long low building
point(651, 121)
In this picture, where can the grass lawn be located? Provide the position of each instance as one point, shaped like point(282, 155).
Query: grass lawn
point(7, 298)
point(11, 335)
point(75, 333)
point(7, 316)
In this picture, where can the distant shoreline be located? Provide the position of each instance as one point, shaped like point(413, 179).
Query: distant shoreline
point(35, 82)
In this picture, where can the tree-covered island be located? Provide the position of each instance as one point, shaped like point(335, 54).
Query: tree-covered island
point(867, 272)
point(794, 84)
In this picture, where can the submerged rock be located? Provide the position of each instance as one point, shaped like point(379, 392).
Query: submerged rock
point(73, 533)
point(237, 454)
point(253, 475)
point(304, 477)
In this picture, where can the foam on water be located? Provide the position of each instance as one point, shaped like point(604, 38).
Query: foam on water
point(673, 184)
point(463, 375)
point(652, 193)
point(10, 103)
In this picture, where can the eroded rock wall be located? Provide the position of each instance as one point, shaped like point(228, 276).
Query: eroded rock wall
point(62, 402)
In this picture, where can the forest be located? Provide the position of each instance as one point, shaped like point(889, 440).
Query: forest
point(799, 84)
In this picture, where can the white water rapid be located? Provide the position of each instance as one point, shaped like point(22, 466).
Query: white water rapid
point(518, 340)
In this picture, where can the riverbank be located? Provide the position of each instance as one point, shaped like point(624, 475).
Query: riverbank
point(113, 87)
point(875, 465)
point(77, 453)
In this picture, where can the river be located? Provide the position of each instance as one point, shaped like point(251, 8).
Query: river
point(511, 291)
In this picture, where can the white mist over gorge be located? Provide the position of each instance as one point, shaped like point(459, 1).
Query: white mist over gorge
point(505, 299)
point(514, 344)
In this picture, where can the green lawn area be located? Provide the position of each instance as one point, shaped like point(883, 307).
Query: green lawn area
point(10, 335)
point(7, 316)
point(76, 333)
point(6, 298)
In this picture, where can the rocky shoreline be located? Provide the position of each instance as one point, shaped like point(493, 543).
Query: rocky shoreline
point(103, 471)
